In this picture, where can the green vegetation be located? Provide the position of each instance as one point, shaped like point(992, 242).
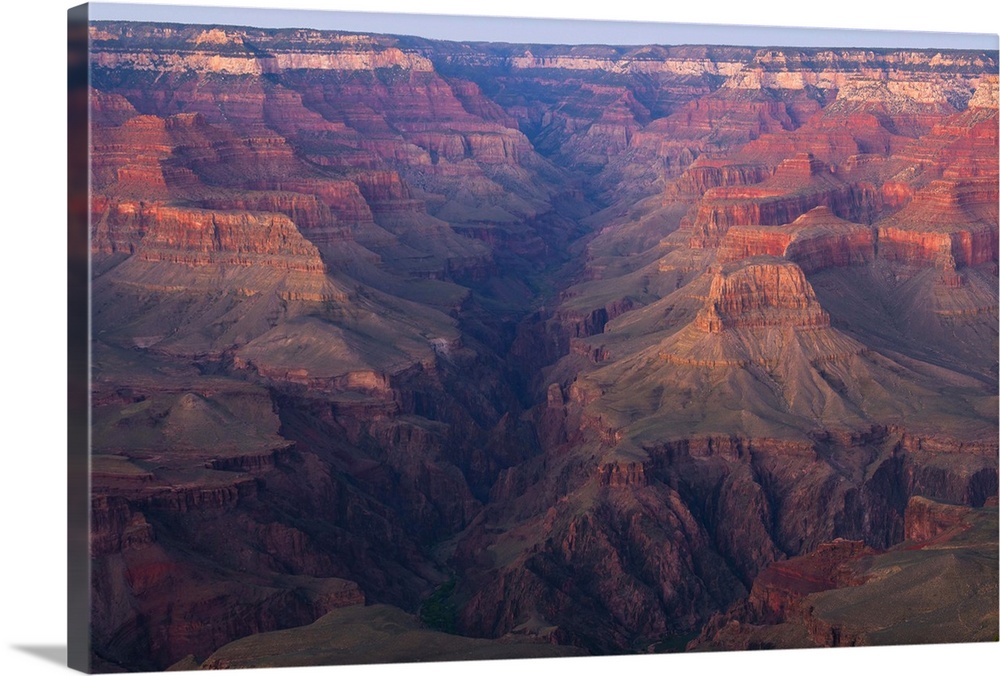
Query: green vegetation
point(438, 612)
point(676, 643)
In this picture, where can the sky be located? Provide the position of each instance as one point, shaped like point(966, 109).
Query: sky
point(543, 31)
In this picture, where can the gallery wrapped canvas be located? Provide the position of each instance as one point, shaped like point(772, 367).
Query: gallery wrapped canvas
point(406, 338)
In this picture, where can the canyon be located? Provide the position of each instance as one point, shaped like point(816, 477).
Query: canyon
point(493, 350)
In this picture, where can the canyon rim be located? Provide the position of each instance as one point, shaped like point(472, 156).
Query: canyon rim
point(411, 349)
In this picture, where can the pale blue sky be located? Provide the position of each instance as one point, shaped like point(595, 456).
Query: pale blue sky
point(543, 31)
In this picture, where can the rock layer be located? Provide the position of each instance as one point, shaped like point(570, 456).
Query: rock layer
point(835, 595)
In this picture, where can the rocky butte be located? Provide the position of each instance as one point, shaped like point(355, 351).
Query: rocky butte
point(496, 350)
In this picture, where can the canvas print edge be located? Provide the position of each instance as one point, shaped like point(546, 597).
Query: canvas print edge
point(71, 324)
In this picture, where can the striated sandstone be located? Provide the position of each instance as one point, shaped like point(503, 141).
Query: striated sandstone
point(759, 293)
point(798, 185)
point(815, 241)
point(202, 237)
point(704, 175)
point(343, 198)
point(944, 226)
point(314, 219)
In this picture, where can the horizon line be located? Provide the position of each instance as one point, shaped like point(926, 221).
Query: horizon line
point(530, 31)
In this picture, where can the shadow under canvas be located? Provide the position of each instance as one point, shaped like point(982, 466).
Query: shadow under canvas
point(49, 653)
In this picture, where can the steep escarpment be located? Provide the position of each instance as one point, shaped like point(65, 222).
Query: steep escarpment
point(814, 241)
point(592, 346)
point(757, 294)
point(835, 595)
point(196, 237)
point(797, 186)
point(944, 226)
point(672, 526)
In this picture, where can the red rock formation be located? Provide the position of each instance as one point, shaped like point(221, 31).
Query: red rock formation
point(836, 595)
point(152, 595)
point(622, 475)
point(814, 241)
point(480, 105)
point(132, 153)
point(343, 198)
point(147, 606)
point(565, 557)
point(928, 519)
point(115, 527)
point(799, 184)
point(706, 173)
point(960, 146)
point(946, 226)
point(690, 140)
point(314, 219)
point(737, 115)
point(779, 590)
point(385, 192)
point(760, 293)
point(110, 110)
point(201, 237)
